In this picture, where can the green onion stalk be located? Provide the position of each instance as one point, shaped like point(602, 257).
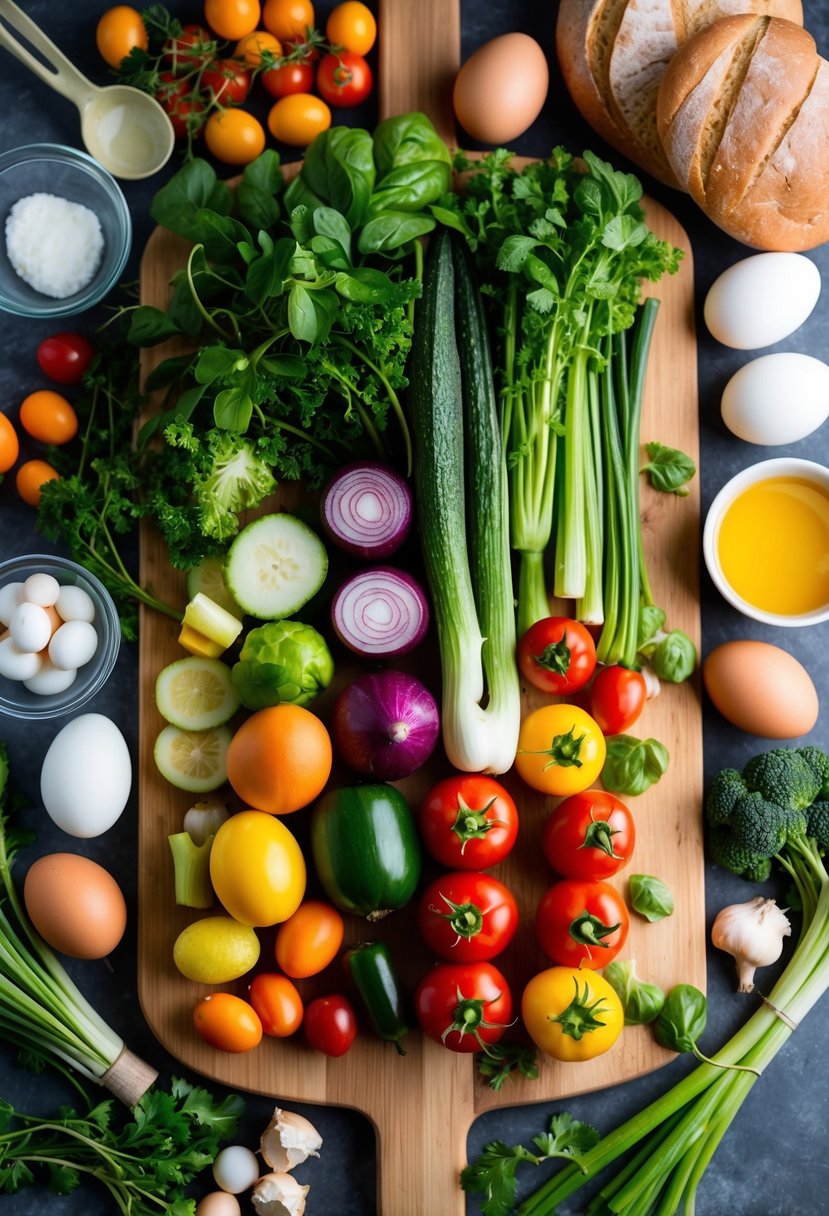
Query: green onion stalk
point(677, 1135)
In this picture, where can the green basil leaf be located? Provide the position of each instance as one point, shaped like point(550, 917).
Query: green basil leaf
point(650, 897)
point(329, 252)
point(149, 326)
point(310, 313)
point(683, 1018)
point(192, 188)
point(233, 410)
point(407, 139)
point(669, 469)
point(392, 230)
point(364, 285)
point(265, 172)
point(651, 621)
point(267, 274)
point(216, 361)
point(256, 206)
point(633, 765)
point(328, 222)
point(451, 219)
point(219, 235)
point(168, 372)
point(183, 310)
point(411, 187)
point(675, 657)
point(339, 170)
point(286, 367)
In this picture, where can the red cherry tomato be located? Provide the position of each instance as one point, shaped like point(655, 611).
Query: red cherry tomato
point(557, 655)
point(65, 357)
point(193, 48)
point(589, 835)
point(330, 1025)
point(467, 918)
point(293, 77)
point(468, 822)
point(277, 1003)
point(184, 108)
point(465, 1006)
point(582, 924)
point(617, 698)
point(344, 79)
point(228, 81)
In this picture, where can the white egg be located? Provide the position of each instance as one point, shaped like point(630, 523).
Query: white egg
point(777, 399)
point(218, 1203)
point(10, 596)
point(41, 589)
point(50, 679)
point(30, 627)
point(75, 604)
point(236, 1169)
point(73, 644)
point(17, 664)
point(86, 776)
point(762, 299)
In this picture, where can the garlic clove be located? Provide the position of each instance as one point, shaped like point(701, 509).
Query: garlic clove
point(288, 1140)
point(204, 819)
point(279, 1195)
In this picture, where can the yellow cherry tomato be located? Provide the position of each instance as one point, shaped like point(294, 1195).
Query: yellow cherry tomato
point(9, 444)
point(30, 477)
point(232, 19)
point(298, 119)
point(561, 750)
point(234, 136)
point(49, 417)
point(352, 25)
point(119, 30)
point(571, 1014)
point(257, 869)
point(290, 20)
point(252, 47)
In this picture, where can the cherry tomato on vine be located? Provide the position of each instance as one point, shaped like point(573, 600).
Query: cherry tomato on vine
point(65, 357)
point(467, 918)
point(31, 476)
point(298, 119)
point(557, 655)
point(288, 19)
point(232, 19)
point(227, 1022)
point(582, 924)
point(309, 940)
point(277, 1003)
point(560, 750)
point(234, 136)
point(617, 698)
point(118, 31)
point(253, 46)
point(571, 1014)
point(294, 77)
point(228, 81)
point(9, 444)
point(468, 822)
point(49, 417)
point(351, 25)
point(330, 1025)
point(465, 1006)
point(344, 79)
point(589, 835)
point(190, 50)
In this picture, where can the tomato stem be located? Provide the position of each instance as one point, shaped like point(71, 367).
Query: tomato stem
point(580, 1018)
point(466, 919)
point(599, 835)
point(588, 930)
point(471, 824)
point(563, 751)
point(555, 657)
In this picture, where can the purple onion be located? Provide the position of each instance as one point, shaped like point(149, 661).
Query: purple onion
point(385, 725)
point(380, 612)
point(367, 510)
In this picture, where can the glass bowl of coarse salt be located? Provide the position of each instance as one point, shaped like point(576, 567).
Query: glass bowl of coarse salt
point(65, 231)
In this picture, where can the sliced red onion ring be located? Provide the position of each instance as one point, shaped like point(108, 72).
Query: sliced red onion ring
point(367, 510)
point(380, 612)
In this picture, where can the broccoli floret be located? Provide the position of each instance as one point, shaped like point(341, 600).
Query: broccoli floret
point(730, 853)
point(783, 776)
point(725, 791)
point(817, 823)
point(818, 761)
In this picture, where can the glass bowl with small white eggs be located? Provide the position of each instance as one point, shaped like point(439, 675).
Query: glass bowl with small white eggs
point(59, 636)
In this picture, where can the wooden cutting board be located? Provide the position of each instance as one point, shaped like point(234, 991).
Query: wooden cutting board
point(423, 1104)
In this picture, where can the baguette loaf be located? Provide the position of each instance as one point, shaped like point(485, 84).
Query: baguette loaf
point(613, 54)
point(743, 114)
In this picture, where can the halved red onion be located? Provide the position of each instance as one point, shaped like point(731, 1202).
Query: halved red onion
point(380, 612)
point(385, 725)
point(367, 510)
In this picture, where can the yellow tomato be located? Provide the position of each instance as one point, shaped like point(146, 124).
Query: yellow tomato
point(119, 30)
point(252, 47)
point(232, 19)
point(352, 25)
point(234, 136)
point(571, 1014)
point(561, 750)
point(298, 119)
point(290, 20)
point(257, 869)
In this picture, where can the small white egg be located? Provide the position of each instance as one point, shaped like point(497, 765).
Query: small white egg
point(10, 596)
point(73, 644)
point(30, 627)
point(75, 604)
point(50, 679)
point(41, 589)
point(86, 776)
point(17, 664)
point(777, 398)
point(762, 299)
point(236, 1169)
point(218, 1203)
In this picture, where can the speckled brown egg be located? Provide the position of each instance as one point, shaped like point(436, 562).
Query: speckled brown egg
point(75, 905)
point(500, 89)
point(761, 689)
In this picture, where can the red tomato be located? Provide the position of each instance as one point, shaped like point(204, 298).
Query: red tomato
point(344, 79)
point(193, 47)
point(227, 80)
point(617, 698)
point(557, 655)
point(330, 1025)
point(277, 1004)
point(582, 924)
point(468, 822)
point(467, 918)
point(292, 77)
point(65, 357)
point(589, 835)
point(465, 1006)
point(184, 109)
point(227, 1022)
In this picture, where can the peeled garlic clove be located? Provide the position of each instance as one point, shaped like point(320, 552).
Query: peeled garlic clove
point(288, 1140)
point(204, 819)
point(279, 1195)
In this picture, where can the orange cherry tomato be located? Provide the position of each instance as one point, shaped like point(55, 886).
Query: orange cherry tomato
point(119, 30)
point(352, 26)
point(288, 18)
point(234, 136)
point(298, 119)
point(227, 1022)
point(49, 417)
point(252, 47)
point(30, 477)
point(232, 19)
point(9, 444)
point(309, 940)
point(277, 1003)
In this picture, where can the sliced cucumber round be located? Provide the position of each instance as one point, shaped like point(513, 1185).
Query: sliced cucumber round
point(209, 579)
point(195, 761)
point(196, 693)
point(274, 566)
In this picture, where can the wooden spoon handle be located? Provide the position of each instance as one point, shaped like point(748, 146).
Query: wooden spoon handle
point(420, 52)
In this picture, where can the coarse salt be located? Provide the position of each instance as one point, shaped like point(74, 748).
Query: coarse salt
point(54, 245)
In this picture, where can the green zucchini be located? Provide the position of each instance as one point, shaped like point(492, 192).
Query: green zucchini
point(372, 972)
point(366, 849)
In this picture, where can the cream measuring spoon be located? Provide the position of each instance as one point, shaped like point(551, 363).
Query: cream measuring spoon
point(125, 130)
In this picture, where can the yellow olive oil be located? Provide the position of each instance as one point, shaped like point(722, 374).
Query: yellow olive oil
point(773, 545)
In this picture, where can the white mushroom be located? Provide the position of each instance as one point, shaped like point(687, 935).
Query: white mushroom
point(279, 1195)
point(288, 1140)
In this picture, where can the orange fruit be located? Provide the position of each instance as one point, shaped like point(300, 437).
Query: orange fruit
point(280, 759)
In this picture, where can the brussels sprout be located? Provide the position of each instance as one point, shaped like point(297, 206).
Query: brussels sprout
point(641, 1001)
point(283, 662)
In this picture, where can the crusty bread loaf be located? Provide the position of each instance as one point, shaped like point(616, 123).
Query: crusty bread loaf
point(613, 54)
point(743, 114)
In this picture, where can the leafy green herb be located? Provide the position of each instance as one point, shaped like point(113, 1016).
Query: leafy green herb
point(650, 897)
point(675, 657)
point(669, 469)
point(641, 1001)
point(500, 1062)
point(683, 1018)
point(633, 765)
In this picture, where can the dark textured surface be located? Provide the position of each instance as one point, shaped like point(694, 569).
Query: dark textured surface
point(775, 1160)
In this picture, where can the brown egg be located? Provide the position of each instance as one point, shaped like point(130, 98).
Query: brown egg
point(75, 905)
point(500, 89)
point(761, 689)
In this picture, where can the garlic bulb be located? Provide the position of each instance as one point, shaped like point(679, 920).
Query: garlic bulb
point(288, 1140)
point(204, 819)
point(753, 932)
point(279, 1195)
